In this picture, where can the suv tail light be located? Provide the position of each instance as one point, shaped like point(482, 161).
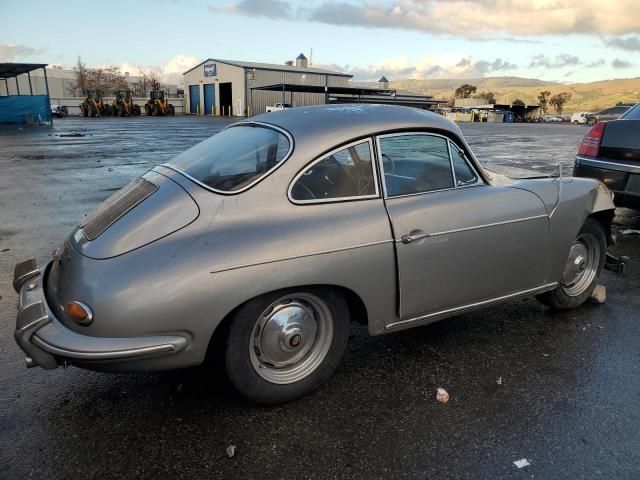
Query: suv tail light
point(590, 145)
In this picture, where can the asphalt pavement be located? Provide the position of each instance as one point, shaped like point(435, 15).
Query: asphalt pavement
point(561, 390)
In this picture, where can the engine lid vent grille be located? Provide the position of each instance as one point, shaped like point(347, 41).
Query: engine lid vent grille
point(114, 207)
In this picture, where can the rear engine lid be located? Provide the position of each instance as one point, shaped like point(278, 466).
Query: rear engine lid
point(147, 209)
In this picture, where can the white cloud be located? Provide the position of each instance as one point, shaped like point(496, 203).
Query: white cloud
point(467, 18)
point(169, 72)
point(451, 65)
point(12, 51)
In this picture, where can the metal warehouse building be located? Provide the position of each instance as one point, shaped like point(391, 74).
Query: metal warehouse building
point(227, 87)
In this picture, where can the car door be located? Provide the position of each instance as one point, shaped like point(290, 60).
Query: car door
point(458, 240)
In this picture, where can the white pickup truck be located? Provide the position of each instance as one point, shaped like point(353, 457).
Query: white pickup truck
point(278, 106)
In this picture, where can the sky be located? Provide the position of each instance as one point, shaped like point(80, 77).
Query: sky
point(554, 40)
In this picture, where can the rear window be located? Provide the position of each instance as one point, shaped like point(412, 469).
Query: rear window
point(235, 158)
point(633, 114)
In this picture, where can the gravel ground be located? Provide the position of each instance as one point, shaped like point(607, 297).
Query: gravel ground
point(561, 390)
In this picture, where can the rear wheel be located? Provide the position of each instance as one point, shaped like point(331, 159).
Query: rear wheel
point(591, 121)
point(147, 109)
point(283, 345)
point(171, 111)
point(582, 269)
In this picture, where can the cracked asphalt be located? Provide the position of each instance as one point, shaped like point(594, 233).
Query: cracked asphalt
point(559, 389)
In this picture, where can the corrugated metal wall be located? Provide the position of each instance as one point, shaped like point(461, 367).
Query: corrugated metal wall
point(261, 99)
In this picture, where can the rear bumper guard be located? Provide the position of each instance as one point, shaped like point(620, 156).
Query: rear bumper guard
point(48, 343)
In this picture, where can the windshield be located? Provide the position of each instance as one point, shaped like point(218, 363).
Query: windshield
point(234, 158)
point(633, 113)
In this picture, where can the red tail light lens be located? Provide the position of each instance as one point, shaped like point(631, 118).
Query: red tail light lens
point(591, 142)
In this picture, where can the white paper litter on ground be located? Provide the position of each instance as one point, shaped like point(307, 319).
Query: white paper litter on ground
point(521, 463)
point(442, 395)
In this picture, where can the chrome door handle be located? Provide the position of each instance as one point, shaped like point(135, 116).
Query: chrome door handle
point(412, 238)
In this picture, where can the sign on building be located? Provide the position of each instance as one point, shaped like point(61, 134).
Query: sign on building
point(210, 70)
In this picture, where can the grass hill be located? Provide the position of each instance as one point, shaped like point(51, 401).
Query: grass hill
point(592, 96)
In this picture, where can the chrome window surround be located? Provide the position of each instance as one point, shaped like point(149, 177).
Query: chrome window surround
point(478, 182)
point(337, 199)
point(260, 178)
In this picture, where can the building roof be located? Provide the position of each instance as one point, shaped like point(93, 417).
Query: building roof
point(10, 70)
point(301, 57)
point(383, 79)
point(270, 66)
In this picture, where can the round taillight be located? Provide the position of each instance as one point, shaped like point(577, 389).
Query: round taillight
point(80, 313)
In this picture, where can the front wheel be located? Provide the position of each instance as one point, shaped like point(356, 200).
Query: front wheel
point(283, 345)
point(582, 269)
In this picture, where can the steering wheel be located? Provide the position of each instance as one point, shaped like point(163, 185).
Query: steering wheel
point(388, 164)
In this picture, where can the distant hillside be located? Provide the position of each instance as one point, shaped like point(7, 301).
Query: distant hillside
point(586, 96)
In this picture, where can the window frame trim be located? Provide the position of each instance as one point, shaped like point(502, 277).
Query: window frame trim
point(250, 124)
point(479, 180)
point(324, 157)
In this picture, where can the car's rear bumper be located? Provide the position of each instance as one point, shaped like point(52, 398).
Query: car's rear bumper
point(623, 179)
point(48, 343)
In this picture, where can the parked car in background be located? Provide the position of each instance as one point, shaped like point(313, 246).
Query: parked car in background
point(580, 117)
point(610, 152)
point(59, 111)
point(265, 241)
point(612, 113)
point(277, 107)
point(552, 118)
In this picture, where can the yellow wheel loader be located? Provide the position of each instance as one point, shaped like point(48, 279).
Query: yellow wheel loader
point(158, 104)
point(123, 105)
point(93, 105)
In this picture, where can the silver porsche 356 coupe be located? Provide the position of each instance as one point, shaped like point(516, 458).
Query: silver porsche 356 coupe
point(265, 240)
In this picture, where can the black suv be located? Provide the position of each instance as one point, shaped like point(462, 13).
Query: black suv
point(610, 152)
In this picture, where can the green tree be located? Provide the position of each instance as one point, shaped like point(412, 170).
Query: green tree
point(465, 91)
point(543, 100)
point(519, 102)
point(490, 97)
point(558, 101)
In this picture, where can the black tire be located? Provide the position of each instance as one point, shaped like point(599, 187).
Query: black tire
point(136, 110)
point(147, 110)
point(243, 330)
point(171, 111)
point(560, 298)
point(85, 111)
point(591, 121)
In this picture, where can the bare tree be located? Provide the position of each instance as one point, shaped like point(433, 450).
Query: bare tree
point(107, 80)
point(79, 84)
point(558, 101)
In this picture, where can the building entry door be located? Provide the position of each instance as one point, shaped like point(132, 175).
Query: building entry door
point(226, 102)
point(209, 99)
point(194, 98)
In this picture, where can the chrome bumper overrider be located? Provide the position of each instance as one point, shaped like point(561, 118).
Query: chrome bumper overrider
point(48, 343)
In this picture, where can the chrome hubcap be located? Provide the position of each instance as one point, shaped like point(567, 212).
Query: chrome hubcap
point(291, 338)
point(582, 265)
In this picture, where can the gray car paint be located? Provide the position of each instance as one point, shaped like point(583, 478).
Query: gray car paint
point(184, 284)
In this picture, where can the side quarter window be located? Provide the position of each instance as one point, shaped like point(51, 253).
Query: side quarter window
point(344, 174)
point(465, 175)
point(415, 163)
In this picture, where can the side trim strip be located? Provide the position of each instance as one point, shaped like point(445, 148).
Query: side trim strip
point(303, 255)
point(476, 227)
point(607, 165)
point(470, 306)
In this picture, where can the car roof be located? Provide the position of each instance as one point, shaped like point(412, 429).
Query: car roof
point(335, 124)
